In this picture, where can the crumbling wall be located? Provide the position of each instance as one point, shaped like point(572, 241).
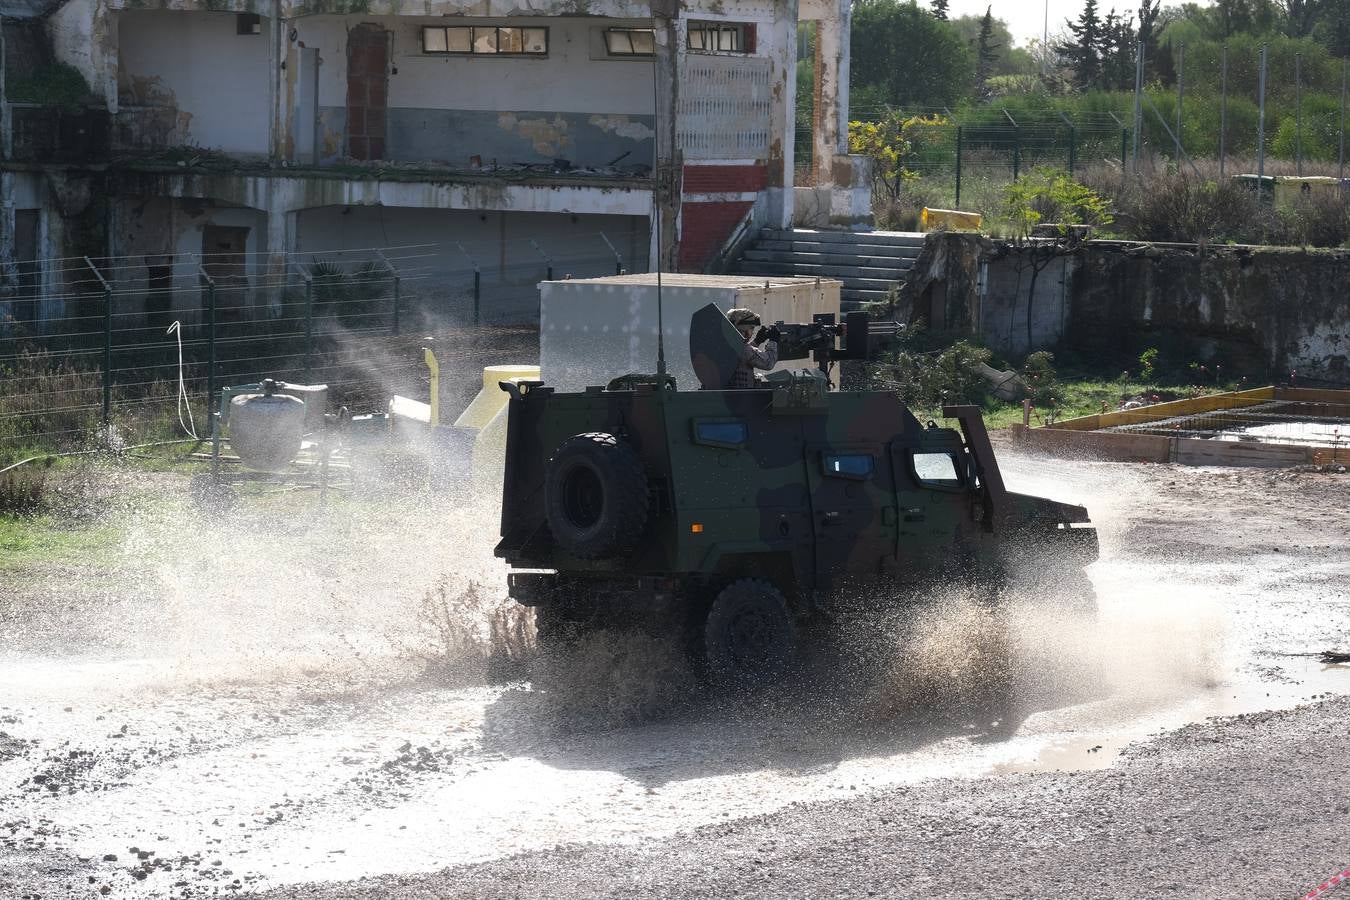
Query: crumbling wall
point(1254, 308)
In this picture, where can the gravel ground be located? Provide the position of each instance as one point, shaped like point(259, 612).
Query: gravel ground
point(1253, 806)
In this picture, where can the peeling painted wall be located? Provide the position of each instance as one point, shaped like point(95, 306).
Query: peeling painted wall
point(199, 80)
point(573, 104)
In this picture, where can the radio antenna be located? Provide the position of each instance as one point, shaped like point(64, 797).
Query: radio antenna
point(656, 203)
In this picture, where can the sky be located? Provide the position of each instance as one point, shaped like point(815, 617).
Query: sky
point(1026, 18)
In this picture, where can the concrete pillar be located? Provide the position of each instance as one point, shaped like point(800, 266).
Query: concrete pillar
point(8, 274)
point(667, 177)
point(783, 117)
point(830, 126)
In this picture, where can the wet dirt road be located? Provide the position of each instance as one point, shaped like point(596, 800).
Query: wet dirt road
point(248, 711)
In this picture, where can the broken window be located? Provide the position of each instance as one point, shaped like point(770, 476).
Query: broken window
point(488, 40)
point(721, 37)
point(630, 41)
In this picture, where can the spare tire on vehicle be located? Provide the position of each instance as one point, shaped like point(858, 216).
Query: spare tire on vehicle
point(596, 496)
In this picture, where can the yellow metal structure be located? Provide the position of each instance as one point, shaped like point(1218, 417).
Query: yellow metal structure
point(435, 369)
point(492, 399)
point(950, 220)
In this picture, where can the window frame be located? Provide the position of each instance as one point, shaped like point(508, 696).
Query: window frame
point(716, 442)
point(630, 31)
point(827, 472)
point(474, 30)
point(960, 484)
point(744, 32)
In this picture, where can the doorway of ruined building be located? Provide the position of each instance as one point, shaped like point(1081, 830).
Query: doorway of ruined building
point(225, 261)
point(367, 91)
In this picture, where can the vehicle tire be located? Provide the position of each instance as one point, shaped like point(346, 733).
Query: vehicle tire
point(749, 636)
point(596, 496)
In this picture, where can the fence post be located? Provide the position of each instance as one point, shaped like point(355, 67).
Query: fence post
point(107, 342)
point(548, 263)
point(1181, 96)
point(477, 283)
point(1223, 115)
point(1298, 114)
point(1341, 157)
point(1125, 148)
point(393, 271)
point(959, 148)
point(1073, 142)
point(107, 355)
point(618, 260)
point(210, 338)
point(1261, 126)
point(1138, 103)
point(1017, 145)
point(309, 326)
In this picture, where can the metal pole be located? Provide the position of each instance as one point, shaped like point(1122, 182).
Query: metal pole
point(548, 263)
point(394, 272)
point(210, 340)
point(1124, 149)
point(107, 342)
point(1298, 114)
point(1341, 159)
point(309, 326)
point(1017, 153)
point(1261, 125)
point(1073, 141)
point(959, 143)
point(1223, 115)
point(107, 356)
point(477, 283)
point(618, 260)
point(1181, 94)
point(1138, 101)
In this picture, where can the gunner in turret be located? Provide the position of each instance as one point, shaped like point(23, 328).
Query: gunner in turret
point(760, 351)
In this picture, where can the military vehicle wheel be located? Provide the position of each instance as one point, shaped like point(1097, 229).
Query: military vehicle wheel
point(596, 496)
point(749, 635)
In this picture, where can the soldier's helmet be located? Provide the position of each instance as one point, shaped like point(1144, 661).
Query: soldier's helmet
point(742, 317)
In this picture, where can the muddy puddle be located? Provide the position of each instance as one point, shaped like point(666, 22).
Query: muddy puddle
point(229, 746)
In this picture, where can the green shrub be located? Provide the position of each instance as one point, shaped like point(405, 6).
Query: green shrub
point(55, 84)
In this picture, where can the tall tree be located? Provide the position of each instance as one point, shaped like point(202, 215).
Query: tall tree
point(904, 56)
point(1083, 52)
point(986, 49)
point(1117, 51)
point(1299, 16)
point(940, 9)
point(1150, 30)
point(1336, 27)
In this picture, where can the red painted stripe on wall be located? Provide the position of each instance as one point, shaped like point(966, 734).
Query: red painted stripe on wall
point(725, 179)
point(704, 228)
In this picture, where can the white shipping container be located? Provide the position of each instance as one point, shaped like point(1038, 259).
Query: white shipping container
point(595, 329)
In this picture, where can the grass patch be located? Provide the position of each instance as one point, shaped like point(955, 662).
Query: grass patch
point(45, 542)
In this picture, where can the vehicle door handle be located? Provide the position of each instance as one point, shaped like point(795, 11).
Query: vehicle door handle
point(829, 518)
point(915, 515)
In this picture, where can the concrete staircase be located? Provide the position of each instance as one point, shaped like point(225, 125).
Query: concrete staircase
point(868, 263)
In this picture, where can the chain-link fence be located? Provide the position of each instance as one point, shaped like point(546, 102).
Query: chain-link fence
point(121, 348)
point(1215, 111)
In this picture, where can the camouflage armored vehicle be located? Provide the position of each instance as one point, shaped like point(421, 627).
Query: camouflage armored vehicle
point(737, 517)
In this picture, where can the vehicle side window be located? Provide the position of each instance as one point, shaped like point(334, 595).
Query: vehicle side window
point(720, 433)
point(936, 470)
point(849, 465)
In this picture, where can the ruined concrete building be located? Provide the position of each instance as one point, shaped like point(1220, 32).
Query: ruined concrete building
point(241, 133)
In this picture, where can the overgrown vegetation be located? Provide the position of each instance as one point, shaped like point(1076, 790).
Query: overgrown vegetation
point(55, 84)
